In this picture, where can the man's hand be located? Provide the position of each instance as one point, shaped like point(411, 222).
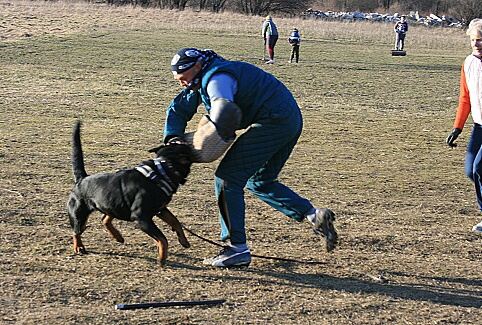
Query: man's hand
point(175, 139)
point(452, 137)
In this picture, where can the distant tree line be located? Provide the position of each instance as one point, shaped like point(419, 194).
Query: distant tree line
point(464, 10)
point(249, 7)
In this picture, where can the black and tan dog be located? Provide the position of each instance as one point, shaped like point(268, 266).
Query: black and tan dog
point(132, 195)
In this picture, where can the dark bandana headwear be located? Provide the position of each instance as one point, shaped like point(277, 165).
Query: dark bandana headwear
point(187, 57)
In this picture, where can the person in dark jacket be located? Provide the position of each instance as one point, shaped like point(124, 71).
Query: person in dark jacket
point(401, 29)
point(241, 96)
point(294, 40)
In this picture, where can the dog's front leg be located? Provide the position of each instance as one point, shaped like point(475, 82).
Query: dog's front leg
point(113, 232)
point(78, 246)
point(162, 246)
point(149, 227)
point(172, 221)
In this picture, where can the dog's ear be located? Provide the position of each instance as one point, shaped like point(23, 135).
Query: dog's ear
point(156, 148)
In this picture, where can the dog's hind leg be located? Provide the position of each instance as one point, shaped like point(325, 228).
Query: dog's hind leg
point(150, 228)
point(172, 221)
point(113, 232)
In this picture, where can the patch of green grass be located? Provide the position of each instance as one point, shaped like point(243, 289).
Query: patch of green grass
point(372, 149)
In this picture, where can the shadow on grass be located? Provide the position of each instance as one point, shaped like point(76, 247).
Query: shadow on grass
point(284, 273)
point(408, 291)
point(169, 263)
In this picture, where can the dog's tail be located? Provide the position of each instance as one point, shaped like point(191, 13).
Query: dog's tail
point(77, 158)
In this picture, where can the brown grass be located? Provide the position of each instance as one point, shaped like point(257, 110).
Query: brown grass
point(372, 150)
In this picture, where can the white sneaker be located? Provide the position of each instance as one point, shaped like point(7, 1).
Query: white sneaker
point(478, 227)
point(270, 62)
point(323, 225)
point(228, 257)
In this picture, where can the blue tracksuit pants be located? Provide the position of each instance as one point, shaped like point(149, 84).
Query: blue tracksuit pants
point(254, 161)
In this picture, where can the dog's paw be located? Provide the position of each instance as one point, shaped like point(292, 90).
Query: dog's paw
point(161, 262)
point(80, 250)
point(116, 236)
point(184, 243)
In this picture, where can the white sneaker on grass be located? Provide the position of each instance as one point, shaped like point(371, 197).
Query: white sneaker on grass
point(478, 227)
point(229, 257)
point(322, 220)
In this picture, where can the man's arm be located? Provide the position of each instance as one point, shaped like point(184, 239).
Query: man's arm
point(464, 107)
point(265, 28)
point(180, 111)
point(217, 131)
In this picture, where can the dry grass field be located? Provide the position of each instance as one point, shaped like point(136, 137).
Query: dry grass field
point(372, 150)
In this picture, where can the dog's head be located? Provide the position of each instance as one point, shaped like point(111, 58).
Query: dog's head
point(179, 156)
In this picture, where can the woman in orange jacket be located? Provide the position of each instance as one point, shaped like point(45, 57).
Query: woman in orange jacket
point(470, 101)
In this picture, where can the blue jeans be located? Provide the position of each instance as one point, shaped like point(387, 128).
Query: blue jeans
point(473, 161)
point(400, 41)
point(255, 161)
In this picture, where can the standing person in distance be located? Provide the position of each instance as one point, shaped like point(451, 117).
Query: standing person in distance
point(470, 101)
point(294, 41)
point(270, 35)
point(401, 29)
point(240, 96)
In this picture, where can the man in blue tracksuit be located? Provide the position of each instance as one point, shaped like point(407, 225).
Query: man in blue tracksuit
point(239, 95)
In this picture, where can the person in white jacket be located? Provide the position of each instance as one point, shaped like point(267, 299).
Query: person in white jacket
point(470, 101)
point(270, 34)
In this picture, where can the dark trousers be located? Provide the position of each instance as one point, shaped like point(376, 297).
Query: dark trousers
point(400, 41)
point(295, 52)
point(270, 44)
point(252, 164)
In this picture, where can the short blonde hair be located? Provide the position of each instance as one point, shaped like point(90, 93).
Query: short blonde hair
point(268, 17)
point(475, 26)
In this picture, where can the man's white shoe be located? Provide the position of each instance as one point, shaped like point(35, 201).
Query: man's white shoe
point(478, 227)
point(323, 225)
point(228, 257)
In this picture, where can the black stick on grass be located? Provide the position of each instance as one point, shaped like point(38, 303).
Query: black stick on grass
point(170, 304)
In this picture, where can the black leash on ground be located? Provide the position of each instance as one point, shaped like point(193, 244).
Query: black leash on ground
point(254, 255)
point(376, 278)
